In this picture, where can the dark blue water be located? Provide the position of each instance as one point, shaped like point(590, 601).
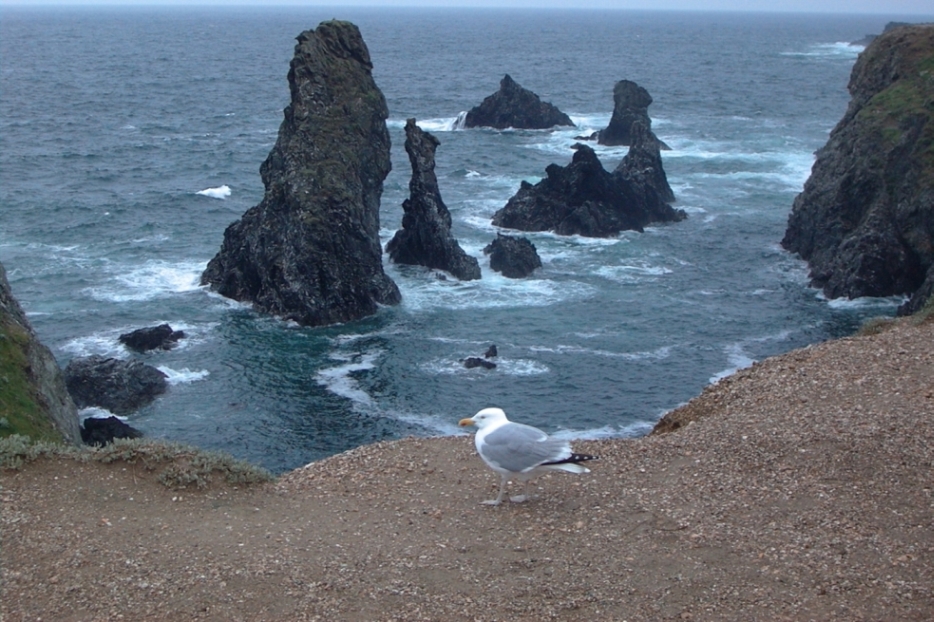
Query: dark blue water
point(129, 139)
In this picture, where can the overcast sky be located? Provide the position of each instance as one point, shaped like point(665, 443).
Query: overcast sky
point(887, 7)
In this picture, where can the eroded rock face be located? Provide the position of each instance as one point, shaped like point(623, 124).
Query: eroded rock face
point(33, 397)
point(425, 238)
point(514, 106)
point(630, 105)
point(642, 166)
point(865, 220)
point(514, 257)
point(310, 251)
point(583, 199)
point(120, 386)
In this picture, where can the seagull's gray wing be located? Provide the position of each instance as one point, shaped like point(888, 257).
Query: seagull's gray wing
point(517, 448)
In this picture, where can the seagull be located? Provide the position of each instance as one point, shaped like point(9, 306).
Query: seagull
point(516, 450)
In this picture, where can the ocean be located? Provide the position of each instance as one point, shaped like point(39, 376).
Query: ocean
point(131, 138)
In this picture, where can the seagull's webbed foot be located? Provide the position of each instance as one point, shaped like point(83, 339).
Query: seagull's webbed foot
point(499, 497)
point(525, 496)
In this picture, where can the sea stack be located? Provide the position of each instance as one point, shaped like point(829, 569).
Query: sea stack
point(310, 251)
point(630, 104)
point(583, 198)
point(516, 107)
point(865, 220)
point(425, 237)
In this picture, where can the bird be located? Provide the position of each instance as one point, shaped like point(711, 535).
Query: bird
point(519, 451)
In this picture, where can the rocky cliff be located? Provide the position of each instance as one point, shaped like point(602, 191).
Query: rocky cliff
point(865, 220)
point(514, 106)
point(425, 238)
point(33, 399)
point(310, 251)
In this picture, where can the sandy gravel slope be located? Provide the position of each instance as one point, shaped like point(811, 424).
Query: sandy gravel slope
point(803, 491)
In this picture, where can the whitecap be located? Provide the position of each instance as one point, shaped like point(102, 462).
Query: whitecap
point(865, 302)
point(339, 381)
point(154, 279)
point(103, 343)
point(838, 49)
point(182, 376)
point(221, 192)
point(509, 367)
point(631, 273)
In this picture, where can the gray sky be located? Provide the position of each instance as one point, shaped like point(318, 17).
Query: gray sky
point(887, 7)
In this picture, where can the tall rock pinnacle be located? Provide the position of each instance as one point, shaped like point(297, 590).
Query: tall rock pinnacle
point(310, 251)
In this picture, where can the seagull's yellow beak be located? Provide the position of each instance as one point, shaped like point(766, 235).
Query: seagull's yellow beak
point(465, 422)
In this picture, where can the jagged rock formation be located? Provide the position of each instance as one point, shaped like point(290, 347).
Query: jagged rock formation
point(425, 237)
point(583, 198)
point(515, 258)
point(33, 399)
point(514, 106)
point(630, 104)
point(160, 337)
point(310, 251)
point(642, 166)
point(122, 387)
point(865, 220)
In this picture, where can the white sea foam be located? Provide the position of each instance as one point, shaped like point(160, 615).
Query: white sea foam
point(632, 430)
point(339, 381)
point(422, 289)
point(439, 124)
point(632, 274)
point(657, 354)
point(221, 192)
point(182, 376)
point(506, 366)
point(103, 343)
point(839, 49)
point(154, 279)
point(738, 358)
point(865, 302)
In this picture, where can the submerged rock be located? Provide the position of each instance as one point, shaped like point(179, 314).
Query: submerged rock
point(474, 361)
point(122, 387)
point(160, 337)
point(514, 106)
point(630, 105)
point(425, 238)
point(865, 220)
point(34, 401)
point(514, 257)
point(583, 199)
point(310, 251)
point(101, 431)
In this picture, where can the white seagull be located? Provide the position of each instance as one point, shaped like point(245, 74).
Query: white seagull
point(516, 450)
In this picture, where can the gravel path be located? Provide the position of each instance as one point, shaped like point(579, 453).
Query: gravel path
point(798, 489)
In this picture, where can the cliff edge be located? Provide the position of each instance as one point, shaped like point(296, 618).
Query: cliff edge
point(33, 399)
point(865, 220)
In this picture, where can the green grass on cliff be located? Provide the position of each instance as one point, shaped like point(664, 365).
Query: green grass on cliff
point(20, 410)
point(910, 97)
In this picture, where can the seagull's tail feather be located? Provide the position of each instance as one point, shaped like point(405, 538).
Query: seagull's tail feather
point(571, 463)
